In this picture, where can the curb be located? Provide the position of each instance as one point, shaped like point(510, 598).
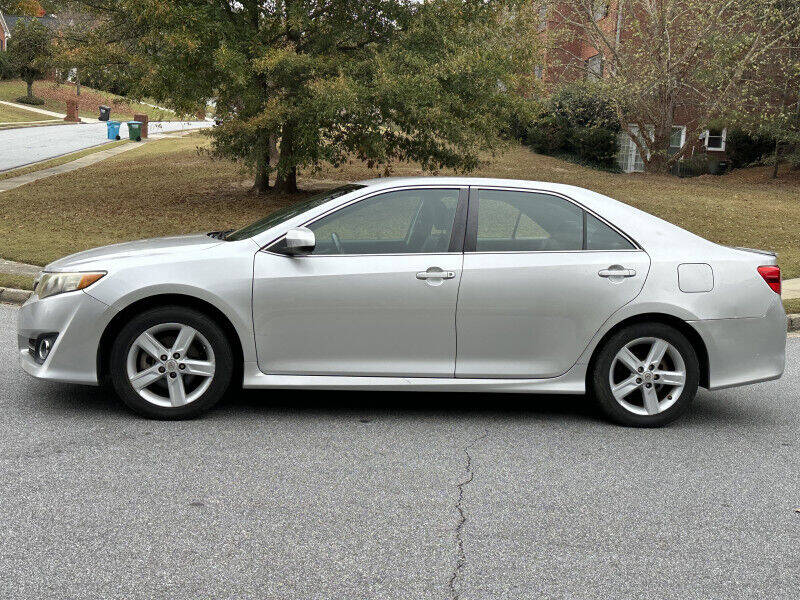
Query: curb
point(15, 296)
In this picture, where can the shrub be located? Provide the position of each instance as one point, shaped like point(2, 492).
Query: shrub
point(577, 121)
point(32, 100)
point(549, 134)
point(692, 166)
point(744, 148)
point(596, 145)
point(582, 104)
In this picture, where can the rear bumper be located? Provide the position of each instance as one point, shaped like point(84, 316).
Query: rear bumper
point(743, 351)
point(79, 321)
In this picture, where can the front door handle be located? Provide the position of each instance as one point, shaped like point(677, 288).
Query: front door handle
point(435, 273)
point(617, 271)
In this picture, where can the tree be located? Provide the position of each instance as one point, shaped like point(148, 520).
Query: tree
point(664, 57)
point(297, 83)
point(772, 106)
point(30, 49)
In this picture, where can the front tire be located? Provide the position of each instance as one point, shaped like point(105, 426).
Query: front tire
point(646, 375)
point(171, 362)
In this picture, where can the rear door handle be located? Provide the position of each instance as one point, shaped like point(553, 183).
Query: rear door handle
point(617, 272)
point(435, 274)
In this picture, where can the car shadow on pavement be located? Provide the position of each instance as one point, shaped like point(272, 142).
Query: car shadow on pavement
point(708, 409)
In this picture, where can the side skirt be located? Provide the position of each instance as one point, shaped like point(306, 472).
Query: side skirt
point(572, 382)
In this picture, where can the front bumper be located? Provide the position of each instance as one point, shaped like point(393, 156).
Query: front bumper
point(79, 321)
point(747, 350)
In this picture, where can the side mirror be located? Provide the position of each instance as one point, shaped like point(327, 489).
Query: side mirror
point(298, 241)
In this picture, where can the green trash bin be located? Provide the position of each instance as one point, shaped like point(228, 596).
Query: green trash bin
point(135, 131)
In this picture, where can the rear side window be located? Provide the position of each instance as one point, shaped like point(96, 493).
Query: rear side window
point(512, 221)
point(600, 236)
point(526, 221)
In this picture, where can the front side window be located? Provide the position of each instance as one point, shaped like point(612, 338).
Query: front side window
point(416, 221)
point(526, 221)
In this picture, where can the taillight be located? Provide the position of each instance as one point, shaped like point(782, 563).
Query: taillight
point(772, 275)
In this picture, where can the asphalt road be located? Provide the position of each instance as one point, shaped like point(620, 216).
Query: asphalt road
point(25, 145)
point(396, 496)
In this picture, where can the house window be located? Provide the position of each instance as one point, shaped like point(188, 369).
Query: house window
point(715, 139)
point(594, 68)
point(678, 137)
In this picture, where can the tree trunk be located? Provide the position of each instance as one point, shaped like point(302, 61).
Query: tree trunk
point(775, 160)
point(30, 89)
point(286, 181)
point(77, 82)
point(261, 183)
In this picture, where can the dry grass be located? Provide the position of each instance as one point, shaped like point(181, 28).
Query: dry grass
point(11, 114)
point(792, 306)
point(20, 282)
point(171, 189)
point(55, 96)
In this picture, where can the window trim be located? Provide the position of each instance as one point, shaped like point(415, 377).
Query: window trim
point(457, 235)
point(471, 241)
point(683, 136)
point(724, 140)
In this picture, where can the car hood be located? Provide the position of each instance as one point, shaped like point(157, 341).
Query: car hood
point(99, 258)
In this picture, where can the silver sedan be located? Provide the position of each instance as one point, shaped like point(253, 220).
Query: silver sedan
point(454, 284)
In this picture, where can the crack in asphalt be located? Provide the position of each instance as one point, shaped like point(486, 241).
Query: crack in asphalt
point(461, 557)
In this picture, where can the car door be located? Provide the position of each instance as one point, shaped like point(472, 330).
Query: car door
point(377, 296)
point(541, 275)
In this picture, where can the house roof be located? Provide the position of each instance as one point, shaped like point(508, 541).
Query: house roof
point(11, 20)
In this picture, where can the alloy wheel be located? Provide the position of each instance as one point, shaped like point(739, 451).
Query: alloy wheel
point(170, 364)
point(647, 376)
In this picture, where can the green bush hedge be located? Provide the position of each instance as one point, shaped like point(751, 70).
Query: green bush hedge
point(576, 121)
point(745, 149)
point(32, 100)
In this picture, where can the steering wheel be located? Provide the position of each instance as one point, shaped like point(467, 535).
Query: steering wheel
point(337, 242)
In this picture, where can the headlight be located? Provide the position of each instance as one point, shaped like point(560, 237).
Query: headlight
point(50, 284)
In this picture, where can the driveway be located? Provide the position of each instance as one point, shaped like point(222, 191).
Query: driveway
point(289, 495)
point(25, 145)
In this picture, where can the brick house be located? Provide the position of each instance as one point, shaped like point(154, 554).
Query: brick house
point(577, 59)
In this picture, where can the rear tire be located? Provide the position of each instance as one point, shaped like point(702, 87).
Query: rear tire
point(645, 375)
point(171, 362)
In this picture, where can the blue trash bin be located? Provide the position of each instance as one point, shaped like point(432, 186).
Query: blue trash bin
point(113, 130)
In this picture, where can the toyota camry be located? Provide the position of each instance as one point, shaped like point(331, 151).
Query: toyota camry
point(434, 284)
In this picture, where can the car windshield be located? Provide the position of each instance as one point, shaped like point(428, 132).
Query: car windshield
point(284, 214)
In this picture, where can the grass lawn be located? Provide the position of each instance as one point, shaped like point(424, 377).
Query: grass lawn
point(165, 187)
point(55, 96)
point(20, 282)
point(11, 114)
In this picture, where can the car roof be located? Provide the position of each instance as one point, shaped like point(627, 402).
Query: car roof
point(461, 181)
